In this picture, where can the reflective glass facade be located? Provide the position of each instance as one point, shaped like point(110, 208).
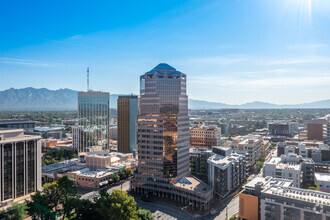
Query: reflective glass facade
point(93, 113)
point(127, 107)
point(163, 126)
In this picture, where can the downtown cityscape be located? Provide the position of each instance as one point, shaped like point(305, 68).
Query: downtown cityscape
point(118, 118)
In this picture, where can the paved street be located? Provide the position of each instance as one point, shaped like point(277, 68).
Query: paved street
point(90, 195)
point(163, 211)
point(232, 209)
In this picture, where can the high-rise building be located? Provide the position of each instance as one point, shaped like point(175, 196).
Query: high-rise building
point(127, 111)
point(163, 140)
point(316, 129)
point(93, 121)
point(282, 128)
point(20, 164)
point(226, 170)
point(198, 162)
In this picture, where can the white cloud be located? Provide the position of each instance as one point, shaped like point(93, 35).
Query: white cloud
point(33, 63)
point(301, 60)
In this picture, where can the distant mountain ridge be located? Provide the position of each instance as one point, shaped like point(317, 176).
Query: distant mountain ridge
point(32, 99)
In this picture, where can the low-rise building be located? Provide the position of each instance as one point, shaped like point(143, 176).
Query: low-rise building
point(250, 145)
point(282, 202)
point(27, 125)
point(53, 172)
point(316, 150)
point(104, 160)
point(204, 136)
point(226, 171)
point(292, 167)
point(323, 181)
point(249, 198)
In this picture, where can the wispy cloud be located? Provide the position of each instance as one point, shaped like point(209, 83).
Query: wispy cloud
point(307, 46)
point(262, 83)
point(215, 60)
point(301, 60)
point(34, 63)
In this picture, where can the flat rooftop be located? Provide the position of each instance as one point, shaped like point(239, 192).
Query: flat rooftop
point(97, 173)
point(312, 196)
point(199, 150)
point(62, 167)
point(224, 161)
point(193, 184)
point(322, 177)
point(266, 182)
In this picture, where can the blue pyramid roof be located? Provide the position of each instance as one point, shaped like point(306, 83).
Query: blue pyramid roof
point(153, 71)
point(164, 66)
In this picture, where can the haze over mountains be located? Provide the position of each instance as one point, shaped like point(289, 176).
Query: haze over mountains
point(31, 99)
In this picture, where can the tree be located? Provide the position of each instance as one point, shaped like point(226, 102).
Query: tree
point(16, 211)
point(122, 206)
point(118, 205)
point(115, 177)
point(145, 214)
point(57, 199)
point(84, 209)
point(67, 193)
point(39, 207)
point(122, 175)
point(128, 172)
point(259, 165)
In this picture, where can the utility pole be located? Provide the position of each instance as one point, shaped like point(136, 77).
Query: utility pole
point(87, 79)
point(226, 212)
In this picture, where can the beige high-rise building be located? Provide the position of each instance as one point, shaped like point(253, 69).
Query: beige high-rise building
point(20, 165)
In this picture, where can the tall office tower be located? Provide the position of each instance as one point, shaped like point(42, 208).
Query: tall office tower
point(127, 111)
point(316, 129)
point(163, 124)
point(163, 140)
point(20, 164)
point(93, 121)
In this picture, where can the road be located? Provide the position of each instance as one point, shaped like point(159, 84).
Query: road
point(163, 211)
point(232, 209)
point(124, 186)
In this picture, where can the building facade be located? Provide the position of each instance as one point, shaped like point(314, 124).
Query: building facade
point(17, 124)
point(93, 121)
point(198, 162)
point(249, 198)
point(282, 128)
point(20, 165)
point(204, 136)
point(163, 140)
point(281, 203)
point(293, 167)
point(127, 111)
point(316, 129)
point(226, 171)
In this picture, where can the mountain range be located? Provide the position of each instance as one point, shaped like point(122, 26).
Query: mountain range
point(32, 99)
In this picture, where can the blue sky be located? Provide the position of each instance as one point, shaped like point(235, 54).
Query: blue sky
point(233, 51)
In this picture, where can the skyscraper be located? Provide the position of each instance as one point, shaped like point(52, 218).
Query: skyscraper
point(20, 164)
point(127, 111)
point(93, 122)
point(163, 123)
point(163, 140)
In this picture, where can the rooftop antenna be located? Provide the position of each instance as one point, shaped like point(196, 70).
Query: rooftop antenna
point(87, 79)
